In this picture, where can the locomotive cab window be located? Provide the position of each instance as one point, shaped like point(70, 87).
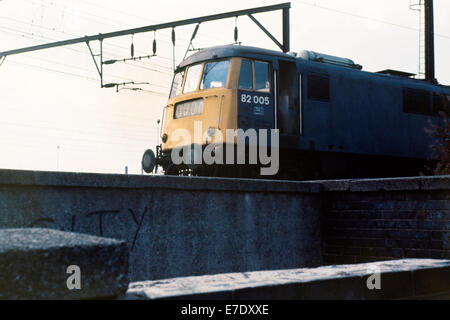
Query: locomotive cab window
point(254, 75)
point(192, 78)
point(416, 101)
point(246, 75)
point(177, 84)
point(262, 76)
point(318, 87)
point(215, 74)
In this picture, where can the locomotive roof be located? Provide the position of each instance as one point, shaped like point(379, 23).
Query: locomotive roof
point(232, 50)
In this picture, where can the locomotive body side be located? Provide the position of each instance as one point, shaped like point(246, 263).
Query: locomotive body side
point(369, 126)
point(334, 120)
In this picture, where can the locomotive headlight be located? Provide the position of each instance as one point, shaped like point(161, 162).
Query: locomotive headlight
point(164, 138)
point(188, 108)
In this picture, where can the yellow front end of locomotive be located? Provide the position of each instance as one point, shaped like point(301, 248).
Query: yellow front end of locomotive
point(203, 105)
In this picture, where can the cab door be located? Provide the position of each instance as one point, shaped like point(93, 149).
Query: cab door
point(288, 100)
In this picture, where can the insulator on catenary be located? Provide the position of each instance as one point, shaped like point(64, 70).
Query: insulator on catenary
point(154, 46)
point(173, 36)
point(235, 34)
point(195, 31)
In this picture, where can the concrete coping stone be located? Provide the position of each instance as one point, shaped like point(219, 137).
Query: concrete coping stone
point(34, 264)
point(207, 285)
point(95, 180)
point(387, 184)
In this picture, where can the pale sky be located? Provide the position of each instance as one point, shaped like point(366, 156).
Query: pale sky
point(53, 98)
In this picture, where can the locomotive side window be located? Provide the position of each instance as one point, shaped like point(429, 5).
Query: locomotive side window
point(192, 78)
point(177, 84)
point(246, 75)
point(318, 87)
point(215, 74)
point(416, 101)
point(262, 76)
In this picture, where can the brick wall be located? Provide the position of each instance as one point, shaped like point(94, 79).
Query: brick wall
point(370, 220)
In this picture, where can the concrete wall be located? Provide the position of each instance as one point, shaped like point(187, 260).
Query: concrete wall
point(370, 220)
point(175, 226)
point(182, 226)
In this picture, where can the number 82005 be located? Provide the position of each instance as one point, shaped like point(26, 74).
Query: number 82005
point(246, 98)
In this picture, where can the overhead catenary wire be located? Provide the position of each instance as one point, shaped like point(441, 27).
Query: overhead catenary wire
point(135, 130)
point(111, 75)
point(132, 31)
point(144, 29)
point(96, 113)
point(88, 70)
point(31, 34)
point(69, 134)
point(71, 34)
point(154, 46)
point(144, 19)
point(74, 75)
point(92, 17)
point(351, 14)
point(33, 37)
point(85, 77)
point(69, 138)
